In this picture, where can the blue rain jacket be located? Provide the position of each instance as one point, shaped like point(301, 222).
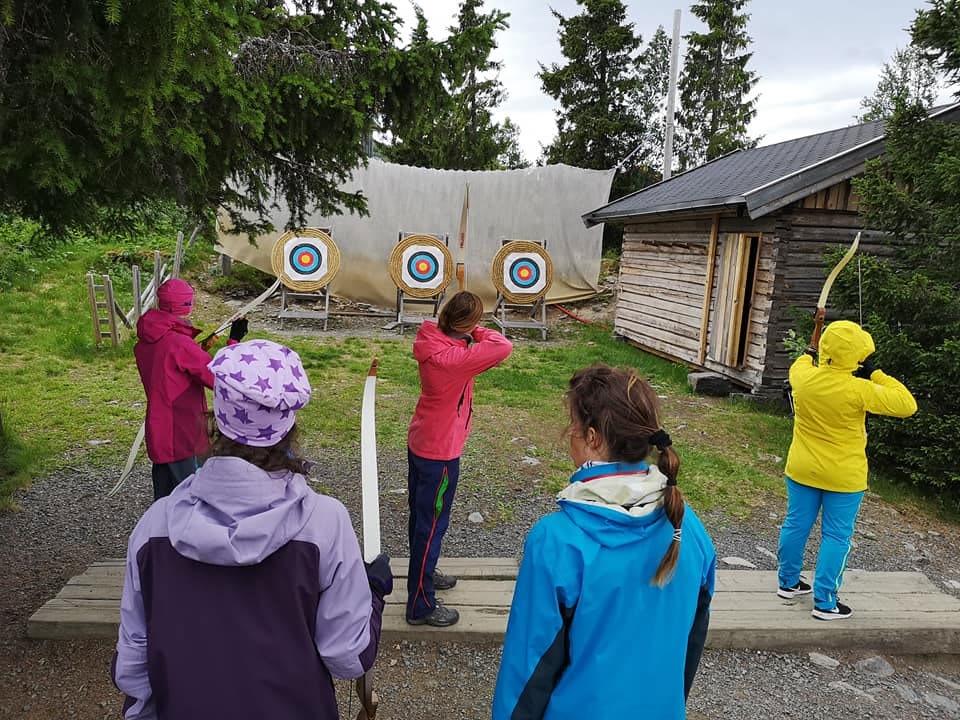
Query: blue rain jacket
point(589, 635)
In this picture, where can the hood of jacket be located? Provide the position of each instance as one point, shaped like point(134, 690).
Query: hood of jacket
point(233, 513)
point(154, 324)
point(845, 345)
point(615, 503)
point(431, 340)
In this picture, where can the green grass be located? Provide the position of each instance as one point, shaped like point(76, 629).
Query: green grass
point(61, 397)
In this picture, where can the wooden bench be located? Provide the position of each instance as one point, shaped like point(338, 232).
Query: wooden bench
point(900, 612)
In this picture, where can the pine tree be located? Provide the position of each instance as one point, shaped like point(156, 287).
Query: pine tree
point(458, 131)
point(715, 85)
point(604, 108)
point(908, 78)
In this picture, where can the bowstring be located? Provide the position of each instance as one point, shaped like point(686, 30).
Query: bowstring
point(860, 290)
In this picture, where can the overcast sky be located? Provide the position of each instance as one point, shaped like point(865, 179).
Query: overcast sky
point(816, 59)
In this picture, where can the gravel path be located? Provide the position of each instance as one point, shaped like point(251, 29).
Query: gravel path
point(65, 523)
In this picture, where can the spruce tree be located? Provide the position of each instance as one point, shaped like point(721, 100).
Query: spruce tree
point(715, 85)
point(908, 78)
point(611, 95)
point(458, 131)
point(651, 97)
point(203, 103)
point(910, 301)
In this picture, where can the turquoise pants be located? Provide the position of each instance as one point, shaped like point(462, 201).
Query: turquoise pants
point(839, 516)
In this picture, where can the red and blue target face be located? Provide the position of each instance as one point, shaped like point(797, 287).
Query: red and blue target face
point(524, 273)
point(305, 259)
point(422, 266)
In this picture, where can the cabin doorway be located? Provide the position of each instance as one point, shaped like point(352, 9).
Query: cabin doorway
point(738, 258)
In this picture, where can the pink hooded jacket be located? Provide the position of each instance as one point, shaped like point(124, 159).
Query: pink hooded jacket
point(174, 372)
point(441, 423)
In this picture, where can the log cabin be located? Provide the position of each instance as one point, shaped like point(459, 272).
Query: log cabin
point(717, 261)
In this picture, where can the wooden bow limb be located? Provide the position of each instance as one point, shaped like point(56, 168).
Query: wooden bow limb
point(369, 700)
point(821, 315)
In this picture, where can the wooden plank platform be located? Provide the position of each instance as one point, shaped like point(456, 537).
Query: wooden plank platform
point(899, 612)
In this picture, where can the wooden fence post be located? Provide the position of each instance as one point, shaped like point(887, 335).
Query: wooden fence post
point(111, 310)
point(92, 293)
point(178, 256)
point(137, 302)
point(156, 277)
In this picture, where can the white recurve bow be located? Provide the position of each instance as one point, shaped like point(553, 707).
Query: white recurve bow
point(370, 491)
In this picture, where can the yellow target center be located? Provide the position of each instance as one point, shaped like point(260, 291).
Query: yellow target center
point(423, 266)
point(524, 273)
point(306, 259)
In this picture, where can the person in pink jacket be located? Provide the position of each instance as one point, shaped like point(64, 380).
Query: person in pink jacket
point(174, 372)
point(450, 354)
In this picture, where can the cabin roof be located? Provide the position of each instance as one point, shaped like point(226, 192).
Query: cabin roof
point(762, 178)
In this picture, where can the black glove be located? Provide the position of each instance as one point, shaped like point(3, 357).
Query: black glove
point(380, 576)
point(866, 369)
point(238, 329)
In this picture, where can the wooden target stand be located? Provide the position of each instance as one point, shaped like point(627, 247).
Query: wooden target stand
point(289, 311)
point(521, 316)
point(406, 301)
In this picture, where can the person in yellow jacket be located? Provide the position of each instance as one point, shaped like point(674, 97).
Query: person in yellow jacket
point(827, 463)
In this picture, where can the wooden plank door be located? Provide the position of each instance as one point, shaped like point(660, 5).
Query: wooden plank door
point(735, 271)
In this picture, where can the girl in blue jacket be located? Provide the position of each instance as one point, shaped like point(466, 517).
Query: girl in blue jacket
point(612, 601)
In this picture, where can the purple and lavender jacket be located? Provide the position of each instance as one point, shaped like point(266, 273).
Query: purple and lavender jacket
point(244, 594)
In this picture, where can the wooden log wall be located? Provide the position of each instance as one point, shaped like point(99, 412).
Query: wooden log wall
point(663, 280)
point(807, 236)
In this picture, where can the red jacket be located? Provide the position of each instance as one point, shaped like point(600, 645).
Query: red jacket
point(174, 372)
point(441, 422)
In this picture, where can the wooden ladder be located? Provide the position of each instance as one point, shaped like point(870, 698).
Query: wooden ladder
point(103, 309)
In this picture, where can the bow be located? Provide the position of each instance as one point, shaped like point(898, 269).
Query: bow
point(821, 313)
point(370, 492)
point(203, 340)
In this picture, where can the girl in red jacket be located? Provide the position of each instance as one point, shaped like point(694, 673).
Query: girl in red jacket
point(450, 353)
point(174, 372)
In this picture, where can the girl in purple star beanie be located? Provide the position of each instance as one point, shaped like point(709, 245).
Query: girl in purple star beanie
point(257, 591)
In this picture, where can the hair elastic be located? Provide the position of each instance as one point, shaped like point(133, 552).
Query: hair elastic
point(660, 440)
point(677, 532)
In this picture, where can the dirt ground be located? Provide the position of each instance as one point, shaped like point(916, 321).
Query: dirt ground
point(65, 522)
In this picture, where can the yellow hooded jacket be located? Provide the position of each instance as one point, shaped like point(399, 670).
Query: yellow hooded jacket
point(829, 448)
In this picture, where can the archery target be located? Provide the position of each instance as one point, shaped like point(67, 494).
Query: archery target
point(306, 260)
point(421, 266)
point(522, 271)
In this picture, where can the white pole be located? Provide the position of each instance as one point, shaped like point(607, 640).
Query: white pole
point(671, 98)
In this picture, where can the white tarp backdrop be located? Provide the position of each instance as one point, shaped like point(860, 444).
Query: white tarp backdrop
point(538, 203)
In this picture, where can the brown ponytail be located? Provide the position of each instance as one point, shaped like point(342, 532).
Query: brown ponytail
point(624, 410)
point(673, 506)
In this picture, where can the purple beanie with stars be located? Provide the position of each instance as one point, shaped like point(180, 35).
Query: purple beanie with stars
point(258, 387)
